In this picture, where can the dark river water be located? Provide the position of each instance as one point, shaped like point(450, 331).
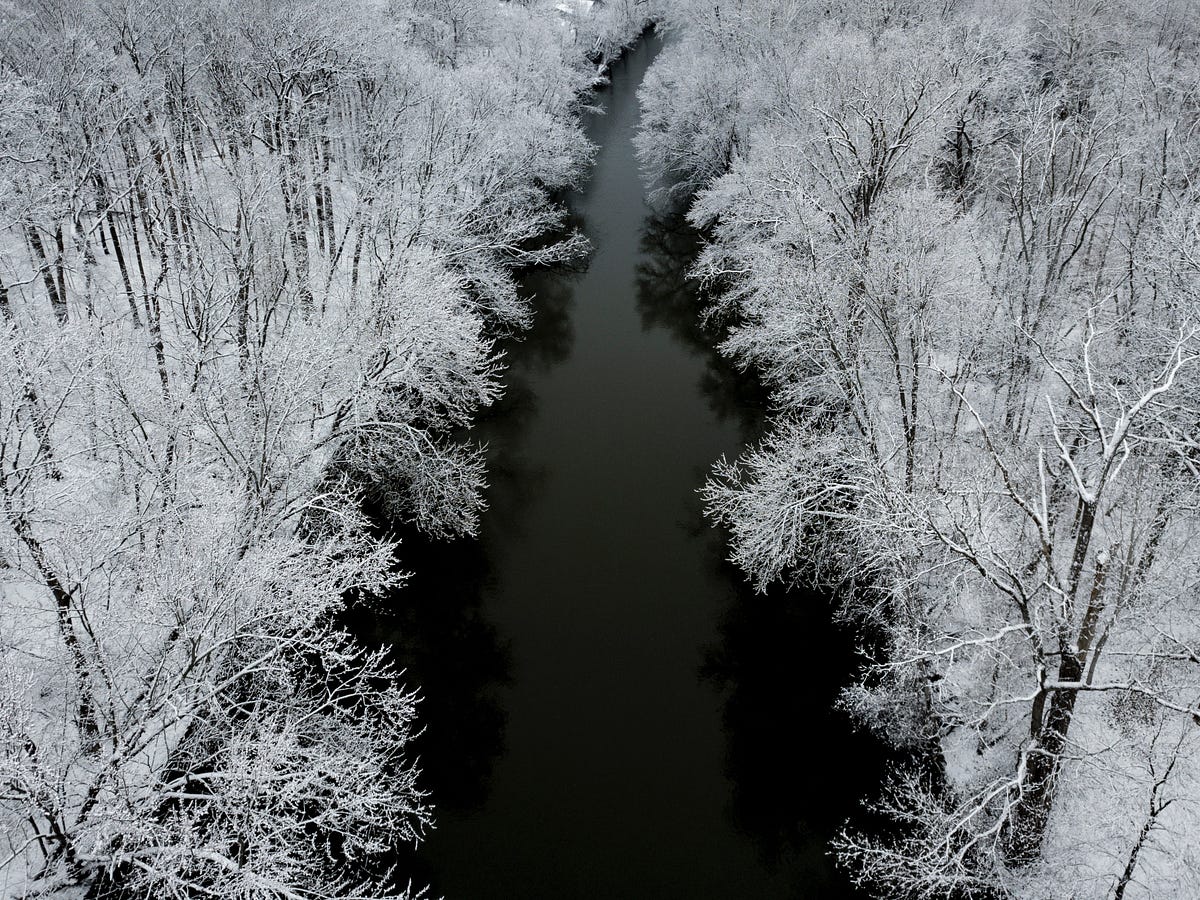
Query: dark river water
point(609, 711)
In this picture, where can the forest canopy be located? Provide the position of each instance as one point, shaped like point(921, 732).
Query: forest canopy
point(255, 258)
point(959, 242)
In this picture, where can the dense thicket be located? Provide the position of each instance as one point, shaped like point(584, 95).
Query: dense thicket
point(254, 256)
point(961, 243)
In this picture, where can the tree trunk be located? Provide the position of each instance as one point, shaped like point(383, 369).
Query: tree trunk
point(58, 303)
point(244, 263)
point(294, 206)
point(89, 728)
point(1031, 812)
point(60, 259)
point(1048, 736)
point(102, 201)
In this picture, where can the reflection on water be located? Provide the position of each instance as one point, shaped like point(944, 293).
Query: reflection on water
point(434, 626)
point(795, 764)
point(609, 711)
point(549, 341)
point(667, 298)
point(438, 634)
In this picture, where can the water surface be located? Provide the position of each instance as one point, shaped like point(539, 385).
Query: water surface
point(610, 713)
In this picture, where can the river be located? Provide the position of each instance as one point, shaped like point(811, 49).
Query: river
point(610, 712)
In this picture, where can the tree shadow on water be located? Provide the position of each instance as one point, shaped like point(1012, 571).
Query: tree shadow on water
point(549, 340)
point(798, 765)
point(435, 629)
point(799, 768)
point(435, 626)
point(668, 298)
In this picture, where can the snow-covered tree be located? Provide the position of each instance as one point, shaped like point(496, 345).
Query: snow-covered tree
point(956, 242)
point(254, 259)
